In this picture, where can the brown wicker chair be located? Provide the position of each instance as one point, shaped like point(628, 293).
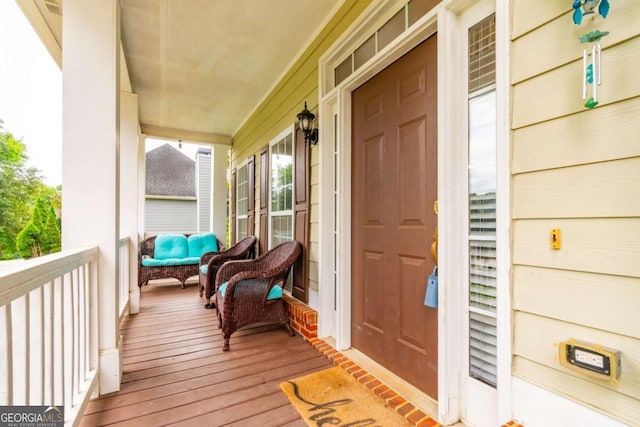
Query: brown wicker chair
point(244, 249)
point(248, 284)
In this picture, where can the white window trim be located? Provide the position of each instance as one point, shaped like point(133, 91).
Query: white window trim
point(244, 164)
point(337, 100)
point(456, 169)
point(290, 130)
point(475, 410)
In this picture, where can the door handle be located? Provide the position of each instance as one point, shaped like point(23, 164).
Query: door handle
point(434, 246)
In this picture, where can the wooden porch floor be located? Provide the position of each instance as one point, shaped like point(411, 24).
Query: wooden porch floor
point(175, 372)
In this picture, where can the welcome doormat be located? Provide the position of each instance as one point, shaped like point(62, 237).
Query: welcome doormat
point(333, 397)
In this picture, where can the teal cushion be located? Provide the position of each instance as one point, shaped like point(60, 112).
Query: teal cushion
point(170, 246)
point(153, 262)
point(204, 269)
point(202, 243)
point(189, 260)
point(274, 293)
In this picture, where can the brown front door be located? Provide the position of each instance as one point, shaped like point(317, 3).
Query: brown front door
point(394, 174)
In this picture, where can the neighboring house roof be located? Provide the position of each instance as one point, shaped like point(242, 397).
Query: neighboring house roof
point(170, 173)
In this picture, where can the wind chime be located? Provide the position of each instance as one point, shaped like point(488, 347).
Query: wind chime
point(591, 55)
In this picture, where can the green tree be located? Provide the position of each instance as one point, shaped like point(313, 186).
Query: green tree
point(41, 235)
point(20, 188)
point(51, 236)
point(27, 244)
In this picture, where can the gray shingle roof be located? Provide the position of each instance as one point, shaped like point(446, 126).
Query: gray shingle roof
point(170, 173)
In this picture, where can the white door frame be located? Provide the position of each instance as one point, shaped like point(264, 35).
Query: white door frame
point(335, 304)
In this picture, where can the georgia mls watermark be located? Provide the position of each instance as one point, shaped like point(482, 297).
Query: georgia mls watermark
point(31, 416)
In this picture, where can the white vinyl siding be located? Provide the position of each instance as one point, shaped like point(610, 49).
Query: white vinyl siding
point(203, 186)
point(163, 215)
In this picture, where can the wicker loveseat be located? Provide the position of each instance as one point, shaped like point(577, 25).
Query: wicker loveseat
point(173, 255)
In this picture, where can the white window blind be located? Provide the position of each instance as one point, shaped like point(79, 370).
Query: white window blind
point(482, 203)
point(242, 201)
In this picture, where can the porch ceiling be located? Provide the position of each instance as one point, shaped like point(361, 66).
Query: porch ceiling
point(201, 67)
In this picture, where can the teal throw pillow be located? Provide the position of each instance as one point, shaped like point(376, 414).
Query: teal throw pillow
point(202, 243)
point(170, 246)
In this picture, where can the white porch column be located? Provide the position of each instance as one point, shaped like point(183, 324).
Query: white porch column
point(142, 182)
point(219, 191)
point(90, 216)
point(129, 126)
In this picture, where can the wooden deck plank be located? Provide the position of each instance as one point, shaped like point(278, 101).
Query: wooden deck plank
point(177, 402)
point(273, 418)
point(188, 380)
point(241, 348)
point(175, 372)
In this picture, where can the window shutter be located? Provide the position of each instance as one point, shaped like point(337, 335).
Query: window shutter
point(301, 215)
point(264, 201)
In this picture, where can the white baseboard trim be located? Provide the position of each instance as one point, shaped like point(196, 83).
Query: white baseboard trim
point(534, 406)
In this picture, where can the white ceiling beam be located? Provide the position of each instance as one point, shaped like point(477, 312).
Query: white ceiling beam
point(184, 135)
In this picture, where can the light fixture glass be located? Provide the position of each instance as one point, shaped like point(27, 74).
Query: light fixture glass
point(305, 120)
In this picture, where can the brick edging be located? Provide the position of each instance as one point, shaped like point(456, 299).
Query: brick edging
point(392, 399)
point(304, 320)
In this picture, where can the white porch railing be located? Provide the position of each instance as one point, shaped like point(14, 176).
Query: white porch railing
point(49, 331)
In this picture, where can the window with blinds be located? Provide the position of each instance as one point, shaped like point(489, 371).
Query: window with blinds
point(482, 202)
point(242, 201)
point(281, 195)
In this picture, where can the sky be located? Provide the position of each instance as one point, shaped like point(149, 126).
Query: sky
point(31, 95)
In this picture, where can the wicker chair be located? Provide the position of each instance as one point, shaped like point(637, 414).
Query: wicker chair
point(245, 290)
point(244, 249)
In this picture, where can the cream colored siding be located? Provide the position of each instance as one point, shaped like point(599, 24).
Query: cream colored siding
point(558, 92)
point(561, 38)
point(545, 11)
point(597, 245)
point(577, 170)
point(279, 110)
point(542, 332)
point(536, 147)
point(606, 189)
point(565, 286)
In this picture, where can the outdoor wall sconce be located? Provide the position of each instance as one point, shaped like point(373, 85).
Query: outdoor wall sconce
point(305, 119)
